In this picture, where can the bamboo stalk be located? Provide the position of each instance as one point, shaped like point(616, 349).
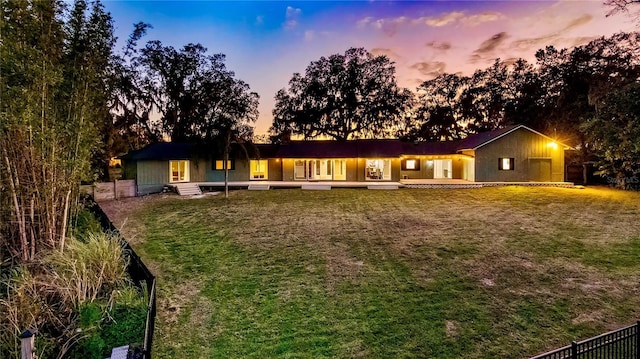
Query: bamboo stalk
point(17, 210)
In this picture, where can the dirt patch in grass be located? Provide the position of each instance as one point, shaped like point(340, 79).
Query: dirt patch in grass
point(121, 211)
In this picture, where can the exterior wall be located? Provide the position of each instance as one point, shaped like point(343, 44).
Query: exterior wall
point(197, 170)
point(239, 173)
point(130, 170)
point(525, 147)
point(395, 169)
point(468, 169)
point(287, 169)
point(456, 168)
point(275, 169)
point(424, 171)
point(152, 176)
point(469, 166)
point(355, 169)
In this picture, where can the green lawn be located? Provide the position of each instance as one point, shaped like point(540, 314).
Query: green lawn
point(477, 273)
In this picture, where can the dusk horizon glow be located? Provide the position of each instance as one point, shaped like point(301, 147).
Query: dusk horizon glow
point(266, 42)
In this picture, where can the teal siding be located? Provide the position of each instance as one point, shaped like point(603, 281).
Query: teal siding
point(153, 173)
point(239, 173)
point(151, 176)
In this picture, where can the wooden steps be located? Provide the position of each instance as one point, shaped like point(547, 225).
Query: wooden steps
point(188, 189)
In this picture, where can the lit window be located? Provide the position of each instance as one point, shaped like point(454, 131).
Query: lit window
point(378, 170)
point(410, 165)
point(505, 164)
point(259, 169)
point(179, 171)
point(218, 165)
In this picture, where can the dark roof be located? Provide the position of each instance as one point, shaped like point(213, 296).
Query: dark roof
point(161, 151)
point(474, 141)
point(184, 151)
point(325, 149)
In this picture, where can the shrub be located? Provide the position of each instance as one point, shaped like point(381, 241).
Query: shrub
point(85, 223)
point(108, 325)
point(90, 269)
point(64, 291)
point(23, 305)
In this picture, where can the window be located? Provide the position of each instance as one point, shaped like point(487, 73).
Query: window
point(378, 170)
point(299, 169)
point(218, 165)
point(411, 165)
point(178, 171)
point(259, 169)
point(505, 164)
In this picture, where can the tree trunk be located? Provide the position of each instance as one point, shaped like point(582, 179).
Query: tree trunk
point(227, 145)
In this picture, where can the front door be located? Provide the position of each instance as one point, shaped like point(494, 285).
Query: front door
point(442, 169)
point(320, 170)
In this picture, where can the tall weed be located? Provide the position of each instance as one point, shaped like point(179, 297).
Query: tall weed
point(88, 269)
point(47, 296)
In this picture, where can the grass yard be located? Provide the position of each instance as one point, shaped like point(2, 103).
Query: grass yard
point(477, 273)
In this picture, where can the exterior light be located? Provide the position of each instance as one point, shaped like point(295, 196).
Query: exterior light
point(552, 145)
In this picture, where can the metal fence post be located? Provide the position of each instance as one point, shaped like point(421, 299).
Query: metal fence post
point(574, 350)
point(638, 339)
point(27, 345)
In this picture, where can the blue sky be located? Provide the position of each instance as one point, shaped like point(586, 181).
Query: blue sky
point(267, 41)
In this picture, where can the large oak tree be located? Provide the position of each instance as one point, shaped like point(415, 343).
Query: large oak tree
point(343, 96)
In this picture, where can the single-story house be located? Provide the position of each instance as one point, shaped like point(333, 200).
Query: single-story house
point(510, 154)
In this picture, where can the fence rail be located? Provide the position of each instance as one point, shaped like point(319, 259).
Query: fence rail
point(140, 274)
point(623, 343)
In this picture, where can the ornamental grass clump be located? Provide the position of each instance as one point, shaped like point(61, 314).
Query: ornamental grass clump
point(88, 269)
point(48, 296)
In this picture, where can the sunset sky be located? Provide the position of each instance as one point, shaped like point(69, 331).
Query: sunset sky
point(267, 41)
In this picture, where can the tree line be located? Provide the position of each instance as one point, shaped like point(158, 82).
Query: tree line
point(585, 96)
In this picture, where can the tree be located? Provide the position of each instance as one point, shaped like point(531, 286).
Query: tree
point(198, 99)
point(343, 97)
point(631, 7)
point(438, 115)
point(524, 103)
point(614, 134)
point(482, 103)
point(131, 106)
point(234, 109)
point(52, 99)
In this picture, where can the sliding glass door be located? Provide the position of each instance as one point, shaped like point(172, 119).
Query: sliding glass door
point(320, 170)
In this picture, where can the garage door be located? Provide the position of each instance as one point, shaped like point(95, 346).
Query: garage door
point(540, 170)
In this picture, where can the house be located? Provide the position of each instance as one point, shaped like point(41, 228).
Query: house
point(510, 154)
